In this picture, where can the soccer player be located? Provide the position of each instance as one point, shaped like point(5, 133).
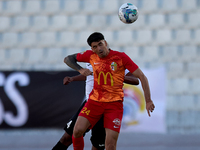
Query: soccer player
point(98, 132)
point(106, 98)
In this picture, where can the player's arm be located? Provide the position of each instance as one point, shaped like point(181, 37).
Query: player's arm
point(131, 79)
point(145, 85)
point(79, 77)
point(71, 61)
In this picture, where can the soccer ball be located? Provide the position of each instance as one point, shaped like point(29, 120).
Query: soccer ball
point(128, 13)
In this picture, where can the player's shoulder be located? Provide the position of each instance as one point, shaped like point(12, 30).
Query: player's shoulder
point(113, 52)
point(86, 52)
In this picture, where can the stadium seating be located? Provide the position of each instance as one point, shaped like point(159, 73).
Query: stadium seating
point(107, 9)
point(194, 86)
point(193, 22)
point(32, 7)
point(188, 53)
point(193, 69)
point(148, 6)
point(65, 39)
point(97, 22)
point(163, 37)
point(50, 7)
point(133, 53)
point(178, 86)
point(90, 6)
point(156, 21)
point(144, 37)
point(182, 36)
point(168, 6)
point(58, 23)
point(53, 56)
point(197, 37)
point(46, 39)
point(11, 7)
point(16, 56)
point(82, 38)
point(20, 23)
point(150, 54)
point(176, 69)
point(176, 20)
point(114, 23)
point(35, 56)
point(109, 36)
point(42, 32)
point(2, 55)
point(169, 53)
point(9, 40)
point(188, 6)
point(1, 6)
point(123, 38)
point(4, 23)
point(38, 23)
point(71, 7)
point(28, 39)
point(77, 22)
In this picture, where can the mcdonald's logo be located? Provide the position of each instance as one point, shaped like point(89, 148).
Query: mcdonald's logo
point(105, 77)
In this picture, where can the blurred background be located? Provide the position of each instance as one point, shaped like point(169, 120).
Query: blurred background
point(36, 35)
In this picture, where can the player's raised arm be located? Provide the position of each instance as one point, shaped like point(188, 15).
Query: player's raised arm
point(71, 61)
point(145, 85)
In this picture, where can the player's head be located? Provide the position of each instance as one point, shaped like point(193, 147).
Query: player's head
point(95, 37)
point(98, 44)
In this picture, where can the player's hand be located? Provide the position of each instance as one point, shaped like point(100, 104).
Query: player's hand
point(85, 72)
point(67, 80)
point(150, 107)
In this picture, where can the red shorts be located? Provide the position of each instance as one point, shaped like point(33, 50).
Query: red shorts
point(111, 111)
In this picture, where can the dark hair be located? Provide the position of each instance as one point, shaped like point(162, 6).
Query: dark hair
point(95, 37)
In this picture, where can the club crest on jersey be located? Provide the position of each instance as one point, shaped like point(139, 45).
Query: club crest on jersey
point(113, 66)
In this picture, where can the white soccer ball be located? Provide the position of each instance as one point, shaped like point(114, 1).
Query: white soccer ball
point(128, 13)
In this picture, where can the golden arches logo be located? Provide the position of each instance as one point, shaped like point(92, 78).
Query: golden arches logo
point(105, 77)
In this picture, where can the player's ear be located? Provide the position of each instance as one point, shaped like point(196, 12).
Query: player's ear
point(106, 43)
point(92, 49)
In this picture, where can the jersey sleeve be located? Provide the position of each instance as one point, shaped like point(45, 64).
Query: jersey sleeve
point(128, 63)
point(84, 57)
